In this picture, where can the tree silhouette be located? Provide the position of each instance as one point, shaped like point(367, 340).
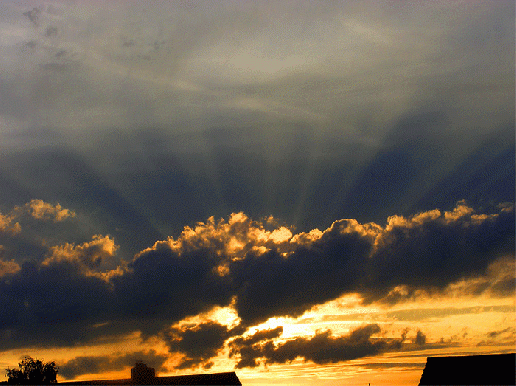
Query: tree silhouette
point(32, 371)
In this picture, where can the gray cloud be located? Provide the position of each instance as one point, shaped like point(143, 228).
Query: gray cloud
point(508, 331)
point(133, 62)
point(33, 15)
point(27, 230)
point(163, 286)
point(403, 366)
point(435, 251)
point(72, 297)
point(283, 40)
point(199, 343)
point(321, 349)
point(144, 118)
point(428, 251)
point(423, 314)
point(54, 305)
point(99, 364)
point(8, 267)
point(271, 284)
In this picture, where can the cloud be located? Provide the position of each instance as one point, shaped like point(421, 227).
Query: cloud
point(234, 238)
point(64, 182)
point(8, 267)
point(260, 268)
point(91, 254)
point(322, 348)
point(498, 280)
point(198, 343)
point(33, 15)
point(274, 284)
point(162, 286)
point(52, 305)
point(247, 348)
point(35, 209)
point(146, 117)
point(100, 364)
point(505, 336)
point(427, 251)
point(26, 230)
point(41, 210)
point(494, 334)
point(7, 224)
point(426, 314)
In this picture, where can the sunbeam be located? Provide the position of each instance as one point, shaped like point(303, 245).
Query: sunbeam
point(298, 192)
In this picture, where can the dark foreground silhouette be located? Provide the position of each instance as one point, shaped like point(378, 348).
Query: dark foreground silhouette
point(32, 372)
point(143, 375)
point(470, 370)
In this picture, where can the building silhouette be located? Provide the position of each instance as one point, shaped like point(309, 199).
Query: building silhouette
point(141, 374)
point(470, 370)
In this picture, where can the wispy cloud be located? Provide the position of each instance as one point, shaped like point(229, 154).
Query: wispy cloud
point(199, 343)
point(321, 348)
point(101, 364)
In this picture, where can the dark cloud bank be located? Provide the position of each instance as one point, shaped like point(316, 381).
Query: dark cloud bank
point(101, 364)
point(132, 116)
point(321, 349)
point(70, 298)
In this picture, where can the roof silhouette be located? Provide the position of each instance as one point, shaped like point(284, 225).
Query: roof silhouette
point(496, 369)
point(143, 375)
point(229, 378)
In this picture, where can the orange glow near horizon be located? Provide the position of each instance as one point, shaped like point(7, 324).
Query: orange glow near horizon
point(451, 327)
point(303, 192)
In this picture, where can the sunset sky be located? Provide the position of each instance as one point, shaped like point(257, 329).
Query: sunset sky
point(304, 192)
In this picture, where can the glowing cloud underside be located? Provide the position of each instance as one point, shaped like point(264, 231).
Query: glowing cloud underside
point(261, 269)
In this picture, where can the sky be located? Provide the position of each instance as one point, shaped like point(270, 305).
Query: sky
point(302, 192)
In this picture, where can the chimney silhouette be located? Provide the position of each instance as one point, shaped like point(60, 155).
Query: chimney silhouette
point(141, 374)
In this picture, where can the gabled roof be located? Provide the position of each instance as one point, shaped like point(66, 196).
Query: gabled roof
point(229, 378)
point(496, 369)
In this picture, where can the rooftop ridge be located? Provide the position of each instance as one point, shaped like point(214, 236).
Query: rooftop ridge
point(483, 369)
